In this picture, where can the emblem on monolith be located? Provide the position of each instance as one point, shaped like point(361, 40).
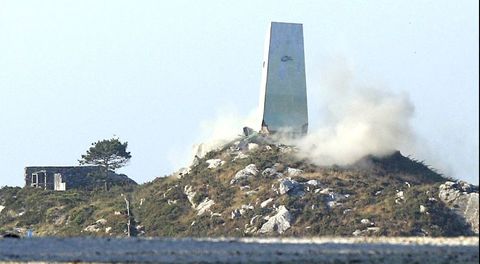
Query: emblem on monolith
point(283, 94)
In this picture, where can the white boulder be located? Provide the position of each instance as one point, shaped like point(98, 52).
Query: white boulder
point(92, 228)
point(266, 202)
point(279, 223)
point(423, 209)
point(240, 155)
point(288, 185)
point(271, 173)
point(214, 163)
point(463, 199)
point(101, 221)
point(313, 182)
point(247, 172)
point(188, 191)
point(292, 172)
point(204, 206)
point(252, 146)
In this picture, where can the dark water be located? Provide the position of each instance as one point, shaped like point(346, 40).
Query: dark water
point(168, 250)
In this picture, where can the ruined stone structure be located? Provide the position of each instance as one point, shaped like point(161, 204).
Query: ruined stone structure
point(283, 94)
point(61, 178)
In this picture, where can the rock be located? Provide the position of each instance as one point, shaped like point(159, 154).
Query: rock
point(249, 171)
point(1, 208)
point(292, 172)
point(101, 221)
point(423, 209)
point(165, 193)
point(170, 202)
point(250, 230)
point(181, 172)
point(285, 149)
point(212, 214)
point(408, 184)
point(365, 232)
point(247, 131)
point(400, 195)
point(240, 155)
point(266, 202)
point(201, 207)
point(373, 229)
point(463, 199)
point(287, 185)
point(117, 213)
point(279, 223)
point(92, 228)
point(332, 204)
point(271, 173)
point(252, 146)
point(248, 207)
point(108, 229)
point(366, 221)
point(313, 182)
point(254, 218)
point(240, 211)
point(332, 198)
point(323, 191)
point(357, 233)
point(235, 214)
point(188, 191)
point(204, 206)
point(214, 163)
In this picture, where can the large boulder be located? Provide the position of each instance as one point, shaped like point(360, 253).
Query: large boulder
point(214, 163)
point(289, 186)
point(462, 198)
point(204, 206)
point(247, 172)
point(279, 223)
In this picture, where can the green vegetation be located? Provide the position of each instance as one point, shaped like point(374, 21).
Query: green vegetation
point(389, 192)
point(109, 153)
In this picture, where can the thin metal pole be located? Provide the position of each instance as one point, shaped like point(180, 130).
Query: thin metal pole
point(128, 215)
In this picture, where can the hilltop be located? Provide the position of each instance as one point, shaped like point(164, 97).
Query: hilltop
point(255, 186)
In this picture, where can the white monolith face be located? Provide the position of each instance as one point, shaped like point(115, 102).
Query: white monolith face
point(283, 95)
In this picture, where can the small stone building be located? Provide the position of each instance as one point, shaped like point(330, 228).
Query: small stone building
point(61, 178)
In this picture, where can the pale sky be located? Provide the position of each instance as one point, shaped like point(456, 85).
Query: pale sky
point(150, 72)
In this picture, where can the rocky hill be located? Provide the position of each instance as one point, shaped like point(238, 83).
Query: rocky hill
point(257, 187)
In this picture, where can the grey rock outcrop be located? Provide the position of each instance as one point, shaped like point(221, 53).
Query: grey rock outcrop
point(214, 163)
point(462, 198)
point(279, 223)
point(289, 186)
point(204, 206)
point(292, 172)
point(249, 171)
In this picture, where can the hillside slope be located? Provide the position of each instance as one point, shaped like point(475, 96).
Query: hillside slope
point(254, 187)
point(257, 187)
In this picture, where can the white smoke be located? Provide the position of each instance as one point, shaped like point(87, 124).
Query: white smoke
point(226, 126)
point(353, 120)
point(357, 120)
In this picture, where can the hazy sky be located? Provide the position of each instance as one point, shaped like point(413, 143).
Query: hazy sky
point(151, 72)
